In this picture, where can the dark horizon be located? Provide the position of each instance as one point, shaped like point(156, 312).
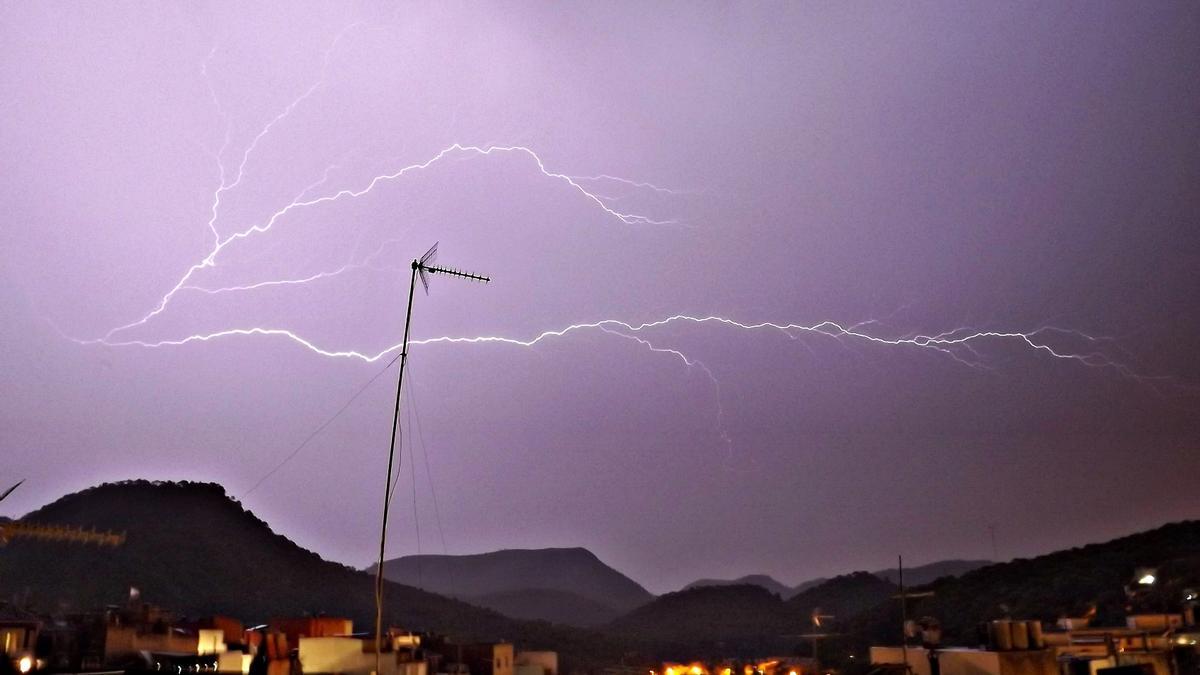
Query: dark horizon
point(909, 562)
point(781, 289)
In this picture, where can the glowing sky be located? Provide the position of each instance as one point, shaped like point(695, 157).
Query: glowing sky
point(778, 288)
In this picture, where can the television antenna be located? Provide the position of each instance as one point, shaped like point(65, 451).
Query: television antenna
point(422, 268)
point(13, 529)
point(9, 491)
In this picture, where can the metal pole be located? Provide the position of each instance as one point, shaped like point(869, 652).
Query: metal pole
point(903, 612)
point(387, 490)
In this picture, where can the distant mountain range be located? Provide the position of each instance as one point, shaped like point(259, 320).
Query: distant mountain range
point(1065, 583)
point(193, 550)
point(916, 576)
point(747, 620)
point(761, 580)
point(563, 585)
point(573, 586)
point(861, 608)
point(925, 574)
point(839, 598)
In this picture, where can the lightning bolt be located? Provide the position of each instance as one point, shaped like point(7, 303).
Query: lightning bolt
point(950, 343)
point(600, 178)
point(365, 263)
point(220, 243)
point(957, 344)
point(690, 363)
point(299, 203)
point(960, 344)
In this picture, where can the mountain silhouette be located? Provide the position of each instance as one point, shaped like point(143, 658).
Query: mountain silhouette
point(761, 580)
point(916, 576)
point(193, 550)
point(564, 585)
point(924, 574)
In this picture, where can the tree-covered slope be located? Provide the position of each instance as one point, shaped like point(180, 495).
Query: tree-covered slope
point(193, 550)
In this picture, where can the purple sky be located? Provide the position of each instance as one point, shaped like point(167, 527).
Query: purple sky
point(921, 168)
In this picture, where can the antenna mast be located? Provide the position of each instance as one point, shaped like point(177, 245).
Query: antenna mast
point(422, 268)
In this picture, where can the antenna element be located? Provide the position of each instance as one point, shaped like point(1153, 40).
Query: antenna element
point(422, 267)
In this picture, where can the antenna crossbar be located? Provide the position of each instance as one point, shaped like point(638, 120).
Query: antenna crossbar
point(450, 271)
point(47, 532)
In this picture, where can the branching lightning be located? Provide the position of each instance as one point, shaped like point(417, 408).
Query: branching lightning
point(689, 362)
point(957, 343)
point(301, 202)
point(961, 344)
point(600, 178)
point(365, 263)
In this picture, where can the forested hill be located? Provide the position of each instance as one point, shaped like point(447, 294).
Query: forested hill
point(736, 620)
point(764, 580)
point(1064, 583)
point(746, 620)
point(193, 550)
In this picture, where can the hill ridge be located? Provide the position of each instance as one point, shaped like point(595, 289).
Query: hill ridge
point(195, 551)
point(574, 574)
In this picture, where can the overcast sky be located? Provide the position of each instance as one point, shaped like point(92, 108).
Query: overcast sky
point(907, 169)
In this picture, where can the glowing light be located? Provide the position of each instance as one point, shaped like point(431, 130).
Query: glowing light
point(1147, 580)
point(25, 664)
